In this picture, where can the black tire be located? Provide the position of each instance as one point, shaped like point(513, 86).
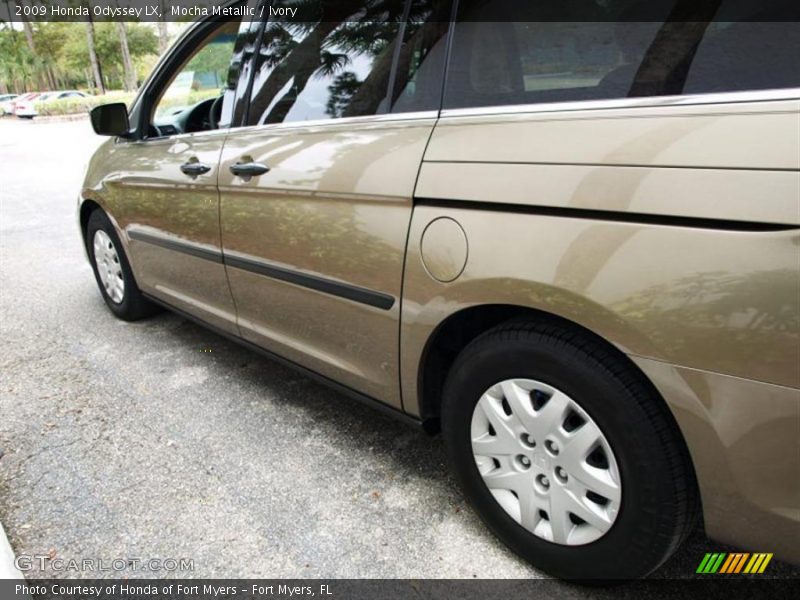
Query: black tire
point(133, 305)
point(659, 503)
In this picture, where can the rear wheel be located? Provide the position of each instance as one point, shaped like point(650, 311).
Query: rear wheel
point(566, 453)
point(113, 272)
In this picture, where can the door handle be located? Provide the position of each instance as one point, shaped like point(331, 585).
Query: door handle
point(195, 168)
point(248, 169)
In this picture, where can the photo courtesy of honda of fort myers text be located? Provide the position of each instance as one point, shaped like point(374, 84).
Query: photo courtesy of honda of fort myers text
point(399, 298)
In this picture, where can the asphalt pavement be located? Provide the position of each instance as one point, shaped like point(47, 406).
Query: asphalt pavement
point(133, 441)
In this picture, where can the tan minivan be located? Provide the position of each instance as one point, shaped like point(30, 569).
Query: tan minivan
point(567, 234)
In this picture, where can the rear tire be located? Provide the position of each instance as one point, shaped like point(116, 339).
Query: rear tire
point(587, 384)
point(112, 270)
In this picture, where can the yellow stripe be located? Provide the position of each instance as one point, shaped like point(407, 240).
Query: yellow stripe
point(757, 563)
point(727, 562)
point(765, 563)
point(749, 566)
point(741, 562)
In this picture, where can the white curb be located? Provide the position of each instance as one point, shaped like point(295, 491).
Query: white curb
point(7, 568)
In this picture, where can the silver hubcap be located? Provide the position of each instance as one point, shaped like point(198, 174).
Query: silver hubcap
point(106, 259)
point(546, 462)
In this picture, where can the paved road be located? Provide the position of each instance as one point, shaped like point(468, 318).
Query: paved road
point(126, 440)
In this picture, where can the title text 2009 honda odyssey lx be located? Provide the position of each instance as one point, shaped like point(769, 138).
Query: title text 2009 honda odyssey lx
point(569, 240)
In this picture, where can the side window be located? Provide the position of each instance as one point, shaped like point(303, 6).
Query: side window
point(233, 105)
point(334, 63)
point(629, 48)
point(420, 65)
point(746, 55)
point(201, 92)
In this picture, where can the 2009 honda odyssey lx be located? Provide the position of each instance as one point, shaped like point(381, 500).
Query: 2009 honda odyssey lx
point(570, 241)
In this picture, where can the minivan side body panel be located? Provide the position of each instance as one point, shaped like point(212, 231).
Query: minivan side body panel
point(314, 248)
point(690, 162)
point(668, 226)
point(745, 446)
point(671, 232)
point(168, 222)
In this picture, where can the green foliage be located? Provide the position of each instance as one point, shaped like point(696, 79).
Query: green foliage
point(61, 57)
point(214, 58)
point(142, 42)
point(73, 106)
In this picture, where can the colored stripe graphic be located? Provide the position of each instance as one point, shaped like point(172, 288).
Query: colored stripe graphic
point(729, 562)
point(711, 562)
point(758, 563)
point(741, 562)
point(733, 563)
point(717, 564)
point(765, 563)
point(703, 563)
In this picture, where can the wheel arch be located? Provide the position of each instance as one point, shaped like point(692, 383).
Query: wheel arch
point(460, 328)
point(87, 208)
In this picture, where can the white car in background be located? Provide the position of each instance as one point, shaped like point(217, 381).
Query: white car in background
point(23, 106)
point(6, 104)
point(26, 107)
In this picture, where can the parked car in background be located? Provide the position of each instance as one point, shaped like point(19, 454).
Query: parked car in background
point(572, 245)
point(24, 106)
point(6, 104)
point(51, 96)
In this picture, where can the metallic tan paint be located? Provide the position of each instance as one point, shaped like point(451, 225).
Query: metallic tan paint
point(744, 438)
point(336, 203)
point(730, 161)
point(715, 300)
point(744, 135)
point(141, 185)
point(711, 316)
point(444, 249)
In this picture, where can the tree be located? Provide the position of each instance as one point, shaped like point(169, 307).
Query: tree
point(96, 69)
point(15, 60)
point(342, 90)
point(163, 33)
point(129, 78)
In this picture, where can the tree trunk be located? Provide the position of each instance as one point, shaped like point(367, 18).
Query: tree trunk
point(127, 63)
point(51, 80)
point(303, 56)
point(28, 35)
point(163, 34)
point(666, 63)
point(96, 72)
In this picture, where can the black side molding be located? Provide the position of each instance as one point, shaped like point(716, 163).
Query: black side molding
point(608, 215)
point(320, 284)
point(183, 247)
point(328, 286)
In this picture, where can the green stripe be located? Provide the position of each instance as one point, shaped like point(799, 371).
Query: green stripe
point(718, 563)
point(710, 563)
point(703, 563)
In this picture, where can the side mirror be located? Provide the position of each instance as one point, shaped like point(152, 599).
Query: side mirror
point(110, 119)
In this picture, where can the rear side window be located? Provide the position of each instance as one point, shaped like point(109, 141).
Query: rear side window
point(506, 52)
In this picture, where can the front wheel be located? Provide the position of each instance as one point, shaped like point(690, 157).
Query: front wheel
point(566, 453)
point(113, 272)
